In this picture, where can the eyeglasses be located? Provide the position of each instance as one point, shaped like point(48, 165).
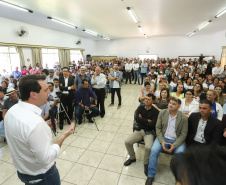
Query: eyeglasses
point(188, 94)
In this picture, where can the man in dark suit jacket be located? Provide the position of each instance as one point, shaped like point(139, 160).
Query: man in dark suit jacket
point(67, 87)
point(203, 127)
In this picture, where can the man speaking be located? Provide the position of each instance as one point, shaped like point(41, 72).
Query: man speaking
point(30, 138)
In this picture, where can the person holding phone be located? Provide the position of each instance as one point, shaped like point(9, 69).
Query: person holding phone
point(171, 132)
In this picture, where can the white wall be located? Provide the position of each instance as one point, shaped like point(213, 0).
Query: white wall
point(41, 36)
point(171, 47)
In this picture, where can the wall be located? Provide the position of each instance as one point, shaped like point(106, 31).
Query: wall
point(41, 36)
point(171, 47)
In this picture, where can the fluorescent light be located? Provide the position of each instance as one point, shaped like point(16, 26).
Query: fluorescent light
point(106, 38)
point(15, 6)
point(91, 32)
point(221, 13)
point(141, 29)
point(145, 36)
point(201, 27)
point(192, 33)
point(132, 14)
point(61, 22)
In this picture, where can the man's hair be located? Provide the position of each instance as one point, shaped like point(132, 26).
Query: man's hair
point(50, 83)
point(146, 83)
point(84, 80)
point(46, 71)
point(151, 95)
point(205, 101)
point(204, 164)
point(55, 79)
point(29, 83)
point(64, 68)
point(176, 100)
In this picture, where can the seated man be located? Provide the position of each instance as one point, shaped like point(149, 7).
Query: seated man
point(9, 102)
point(171, 132)
point(146, 116)
point(56, 85)
point(52, 98)
point(203, 127)
point(82, 102)
point(2, 99)
point(45, 111)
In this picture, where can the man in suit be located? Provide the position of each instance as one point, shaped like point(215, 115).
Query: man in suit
point(116, 83)
point(67, 87)
point(171, 132)
point(203, 127)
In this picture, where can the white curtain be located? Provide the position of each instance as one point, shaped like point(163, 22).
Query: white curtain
point(64, 57)
point(223, 56)
point(36, 56)
point(21, 55)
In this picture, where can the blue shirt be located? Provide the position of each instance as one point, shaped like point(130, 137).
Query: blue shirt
point(78, 80)
point(16, 74)
point(144, 67)
point(82, 95)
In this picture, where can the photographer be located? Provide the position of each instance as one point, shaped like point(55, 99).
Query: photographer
point(31, 136)
point(83, 103)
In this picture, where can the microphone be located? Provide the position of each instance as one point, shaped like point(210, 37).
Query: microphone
point(52, 117)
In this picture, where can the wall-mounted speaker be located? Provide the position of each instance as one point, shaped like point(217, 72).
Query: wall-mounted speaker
point(88, 57)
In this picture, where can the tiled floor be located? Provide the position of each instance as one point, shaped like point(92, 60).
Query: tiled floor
point(91, 157)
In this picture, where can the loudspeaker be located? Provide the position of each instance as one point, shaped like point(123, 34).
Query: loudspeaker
point(88, 57)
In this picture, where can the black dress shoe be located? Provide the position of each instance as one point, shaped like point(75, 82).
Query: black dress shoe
point(80, 121)
point(101, 116)
point(90, 120)
point(149, 181)
point(146, 169)
point(129, 162)
point(61, 126)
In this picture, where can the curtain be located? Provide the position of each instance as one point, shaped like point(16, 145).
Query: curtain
point(21, 55)
point(223, 56)
point(81, 51)
point(64, 57)
point(36, 56)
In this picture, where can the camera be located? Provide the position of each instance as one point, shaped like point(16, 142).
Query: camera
point(59, 94)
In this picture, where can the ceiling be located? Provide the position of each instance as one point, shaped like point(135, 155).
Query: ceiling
point(110, 18)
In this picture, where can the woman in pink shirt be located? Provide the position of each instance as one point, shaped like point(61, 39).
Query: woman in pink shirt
point(33, 70)
point(24, 71)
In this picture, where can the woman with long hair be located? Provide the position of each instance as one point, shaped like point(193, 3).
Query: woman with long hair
point(179, 93)
point(160, 87)
point(188, 104)
point(188, 84)
point(198, 92)
point(219, 91)
point(163, 101)
point(217, 110)
point(146, 91)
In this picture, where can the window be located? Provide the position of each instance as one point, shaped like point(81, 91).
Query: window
point(49, 57)
point(75, 56)
point(9, 59)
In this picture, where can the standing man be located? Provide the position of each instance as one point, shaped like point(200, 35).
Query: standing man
point(143, 71)
point(146, 116)
point(116, 78)
point(31, 136)
point(98, 82)
point(67, 87)
point(128, 69)
point(51, 76)
point(17, 74)
point(80, 77)
point(136, 72)
point(217, 70)
point(171, 132)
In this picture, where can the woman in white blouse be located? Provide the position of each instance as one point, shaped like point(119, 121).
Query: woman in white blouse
point(188, 104)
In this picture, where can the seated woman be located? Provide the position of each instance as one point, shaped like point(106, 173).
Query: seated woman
point(179, 92)
point(198, 92)
point(219, 91)
point(147, 79)
point(4, 86)
point(217, 110)
point(162, 102)
point(145, 92)
point(188, 104)
point(160, 87)
point(188, 84)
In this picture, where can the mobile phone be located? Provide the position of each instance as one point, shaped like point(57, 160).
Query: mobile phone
point(168, 146)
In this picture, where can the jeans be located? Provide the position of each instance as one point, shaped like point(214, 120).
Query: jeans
point(118, 91)
point(51, 177)
point(143, 75)
point(2, 129)
point(79, 111)
point(128, 76)
point(155, 151)
point(136, 77)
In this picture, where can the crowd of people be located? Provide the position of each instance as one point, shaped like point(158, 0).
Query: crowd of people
point(182, 103)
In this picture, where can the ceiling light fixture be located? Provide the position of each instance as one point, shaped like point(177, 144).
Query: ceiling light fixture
point(204, 25)
point(141, 29)
point(221, 13)
point(106, 38)
point(192, 33)
point(132, 14)
point(91, 32)
point(61, 22)
point(15, 6)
